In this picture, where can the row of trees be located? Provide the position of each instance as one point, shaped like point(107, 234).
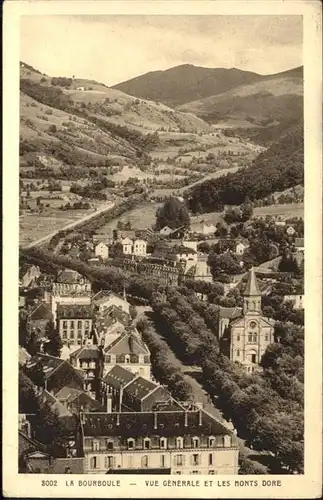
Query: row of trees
point(247, 399)
point(164, 366)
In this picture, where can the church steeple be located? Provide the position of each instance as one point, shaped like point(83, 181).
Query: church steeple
point(252, 295)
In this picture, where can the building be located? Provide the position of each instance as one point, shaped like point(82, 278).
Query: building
point(52, 374)
point(241, 247)
point(101, 250)
point(244, 339)
point(109, 325)
point(165, 231)
point(105, 299)
point(203, 228)
point(38, 319)
point(30, 276)
point(139, 247)
point(126, 245)
point(296, 300)
point(190, 244)
point(77, 401)
point(184, 253)
point(74, 322)
point(122, 390)
point(68, 282)
point(130, 352)
point(89, 358)
point(184, 441)
point(199, 271)
point(299, 245)
point(290, 231)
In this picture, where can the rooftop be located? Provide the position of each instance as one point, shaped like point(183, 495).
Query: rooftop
point(230, 312)
point(252, 288)
point(74, 311)
point(69, 276)
point(86, 352)
point(40, 311)
point(140, 387)
point(161, 423)
point(118, 377)
point(129, 342)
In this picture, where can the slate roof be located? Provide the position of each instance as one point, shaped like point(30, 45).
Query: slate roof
point(230, 312)
point(74, 311)
point(127, 343)
point(51, 364)
point(135, 424)
point(252, 288)
point(118, 377)
point(69, 276)
point(56, 405)
point(86, 352)
point(40, 311)
point(140, 387)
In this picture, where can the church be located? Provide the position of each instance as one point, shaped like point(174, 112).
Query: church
point(244, 333)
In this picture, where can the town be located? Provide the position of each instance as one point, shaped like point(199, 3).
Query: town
point(96, 392)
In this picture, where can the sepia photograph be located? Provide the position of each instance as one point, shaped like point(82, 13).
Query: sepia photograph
point(161, 282)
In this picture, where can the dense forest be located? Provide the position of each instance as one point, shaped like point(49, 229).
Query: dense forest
point(278, 168)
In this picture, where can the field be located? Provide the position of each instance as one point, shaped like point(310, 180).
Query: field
point(141, 217)
point(128, 172)
point(286, 210)
point(34, 226)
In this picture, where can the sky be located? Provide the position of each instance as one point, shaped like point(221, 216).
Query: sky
point(112, 49)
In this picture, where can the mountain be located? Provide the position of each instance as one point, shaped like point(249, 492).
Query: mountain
point(262, 110)
point(83, 122)
point(278, 168)
point(185, 83)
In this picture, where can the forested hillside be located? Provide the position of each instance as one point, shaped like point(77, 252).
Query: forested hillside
point(279, 167)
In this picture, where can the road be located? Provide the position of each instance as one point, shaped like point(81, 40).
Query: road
point(75, 223)
point(214, 175)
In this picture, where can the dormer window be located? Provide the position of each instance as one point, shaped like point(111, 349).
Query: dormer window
point(131, 444)
point(195, 442)
point(110, 445)
point(95, 445)
point(179, 442)
point(163, 443)
point(227, 441)
point(211, 442)
point(146, 443)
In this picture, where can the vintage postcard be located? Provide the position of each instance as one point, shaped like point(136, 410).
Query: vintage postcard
point(162, 249)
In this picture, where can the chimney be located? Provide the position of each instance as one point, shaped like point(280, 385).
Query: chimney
point(200, 416)
point(155, 419)
point(109, 403)
point(185, 419)
point(118, 419)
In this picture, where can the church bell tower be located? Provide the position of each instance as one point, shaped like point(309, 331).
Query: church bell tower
point(252, 295)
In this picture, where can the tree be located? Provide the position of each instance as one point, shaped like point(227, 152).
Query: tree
point(173, 214)
point(54, 346)
point(116, 250)
point(246, 209)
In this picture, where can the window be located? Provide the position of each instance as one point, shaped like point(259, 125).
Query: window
point(64, 334)
point(64, 324)
point(79, 334)
point(72, 325)
point(95, 445)
point(93, 463)
point(145, 461)
point(210, 459)
point(253, 358)
point(162, 460)
point(211, 472)
point(147, 444)
point(238, 353)
point(163, 443)
point(195, 459)
point(195, 472)
point(178, 472)
point(127, 359)
point(211, 442)
point(179, 460)
point(195, 442)
point(179, 442)
point(266, 337)
point(252, 338)
point(227, 441)
point(131, 444)
point(238, 338)
point(86, 324)
point(253, 324)
point(109, 462)
point(79, 324)
point(110, 445)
